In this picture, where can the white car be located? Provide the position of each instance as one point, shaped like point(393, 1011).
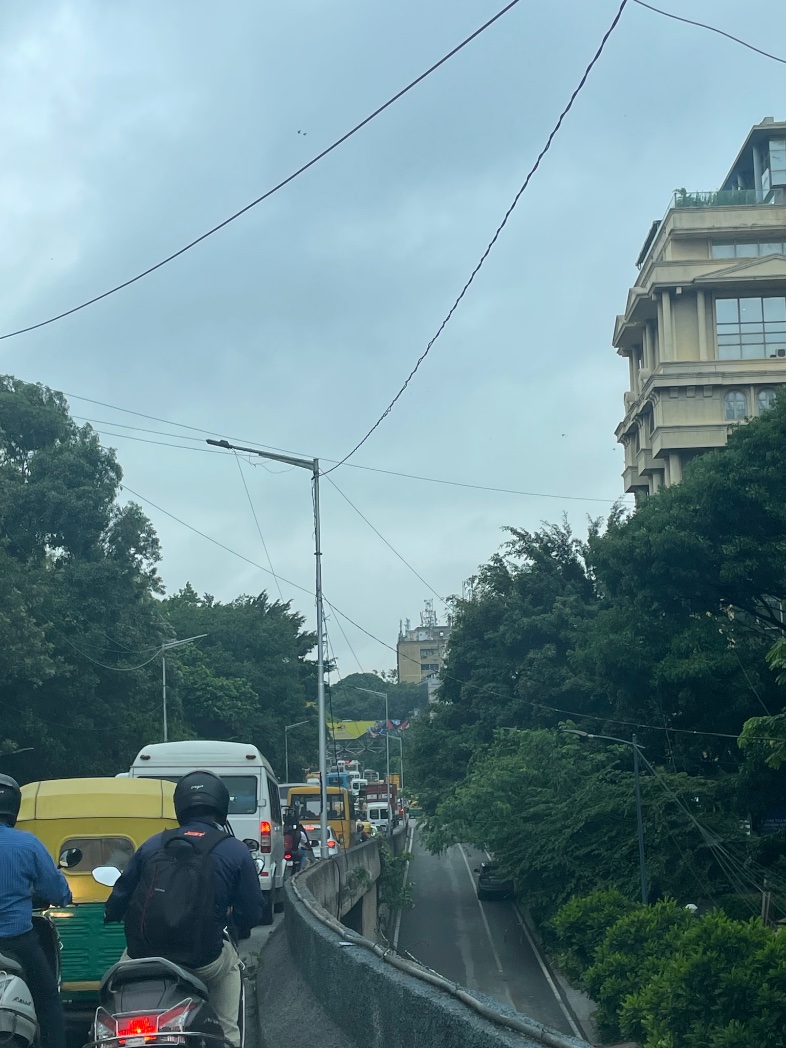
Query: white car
point(315, 836)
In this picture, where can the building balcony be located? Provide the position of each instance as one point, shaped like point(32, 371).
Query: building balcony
point(718, 198)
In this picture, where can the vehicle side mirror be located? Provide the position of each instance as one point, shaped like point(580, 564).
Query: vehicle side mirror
point(477, 869)
point(106, 875)
point(252, 845)
point(70, 857)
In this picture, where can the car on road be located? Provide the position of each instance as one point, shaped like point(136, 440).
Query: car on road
point(315, 836)
point(491, 884)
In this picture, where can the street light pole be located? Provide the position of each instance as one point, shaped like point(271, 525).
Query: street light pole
point(636, 782)
point(287, 730)
point(312, 465)
point(164, 649)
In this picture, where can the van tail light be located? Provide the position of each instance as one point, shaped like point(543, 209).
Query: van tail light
point(331, 844)
point(265, 837)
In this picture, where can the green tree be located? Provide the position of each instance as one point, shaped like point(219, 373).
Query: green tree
point(248, 678)
point(80, 622)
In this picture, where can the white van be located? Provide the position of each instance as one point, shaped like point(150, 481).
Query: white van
point(378, 814)
point(254, 806)
point(356, 786)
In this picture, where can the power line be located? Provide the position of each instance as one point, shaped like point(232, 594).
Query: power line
point(275, 189)
point(288, 451)
point(712, 29)
point(446, 676)
point(259, 529)
point(493, 240)
point(389, 546)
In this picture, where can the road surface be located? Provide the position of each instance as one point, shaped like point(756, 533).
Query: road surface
point(483, 946)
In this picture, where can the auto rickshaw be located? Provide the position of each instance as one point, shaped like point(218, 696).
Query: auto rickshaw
point(84, 824)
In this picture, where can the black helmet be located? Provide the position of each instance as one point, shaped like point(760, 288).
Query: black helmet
point(201, 793)
point(10, 798)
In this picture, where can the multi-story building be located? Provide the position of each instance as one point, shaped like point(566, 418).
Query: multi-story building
point(421, 651)
point(704, 327)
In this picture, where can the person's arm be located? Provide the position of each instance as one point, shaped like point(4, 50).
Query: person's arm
point(49, 883)
point(248, 904)
point(125, 886)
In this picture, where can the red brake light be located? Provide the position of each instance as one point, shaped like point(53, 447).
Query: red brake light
point(265, 837)
point(136, 1026)
point(331, 844)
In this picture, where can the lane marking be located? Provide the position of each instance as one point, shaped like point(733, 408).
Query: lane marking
point(554, 989)
point(497, 961)
point(408, 848)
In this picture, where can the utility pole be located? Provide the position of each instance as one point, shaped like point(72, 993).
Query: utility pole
point(312, 465)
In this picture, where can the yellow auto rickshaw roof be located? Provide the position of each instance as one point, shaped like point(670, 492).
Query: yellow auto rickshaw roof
point(97, 798)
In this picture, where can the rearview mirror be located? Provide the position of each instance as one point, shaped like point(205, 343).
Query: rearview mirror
point(106, 875)
point(477, 869)
point(251, 844)
point(70, 857)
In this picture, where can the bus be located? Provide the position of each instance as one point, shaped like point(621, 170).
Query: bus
point(306, 799)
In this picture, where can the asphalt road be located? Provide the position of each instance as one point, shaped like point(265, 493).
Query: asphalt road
point(483, 946)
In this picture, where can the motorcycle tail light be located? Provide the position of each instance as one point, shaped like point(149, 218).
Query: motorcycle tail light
point(287, 856)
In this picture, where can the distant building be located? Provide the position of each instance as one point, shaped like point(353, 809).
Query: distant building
point(421, 651)
point(704, 327)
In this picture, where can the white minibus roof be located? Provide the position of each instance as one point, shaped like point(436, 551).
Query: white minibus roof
point(199, 753)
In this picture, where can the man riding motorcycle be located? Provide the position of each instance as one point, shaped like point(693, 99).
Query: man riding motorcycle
point(27, 870)
point(201, 806)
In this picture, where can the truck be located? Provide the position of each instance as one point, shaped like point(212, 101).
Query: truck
point(382, 791)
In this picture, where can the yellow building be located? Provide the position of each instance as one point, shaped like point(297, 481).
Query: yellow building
point(704, 327)
point(421, 651)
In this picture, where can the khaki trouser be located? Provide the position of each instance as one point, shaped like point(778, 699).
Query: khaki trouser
point(222, 979)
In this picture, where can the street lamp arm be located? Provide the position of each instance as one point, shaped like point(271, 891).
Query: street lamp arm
point(290, 460)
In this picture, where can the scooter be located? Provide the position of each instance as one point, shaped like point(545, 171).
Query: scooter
point(18, 1022)
point(152, 1001)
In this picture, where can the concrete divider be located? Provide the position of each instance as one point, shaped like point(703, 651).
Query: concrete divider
point(378, 999)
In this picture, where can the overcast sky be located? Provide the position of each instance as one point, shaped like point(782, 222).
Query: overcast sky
point(127, 129)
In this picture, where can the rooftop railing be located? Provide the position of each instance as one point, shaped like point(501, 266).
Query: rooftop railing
point(716, 198)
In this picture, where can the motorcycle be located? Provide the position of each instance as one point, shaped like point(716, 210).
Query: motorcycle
point(153, 1001)
point(18, 1022)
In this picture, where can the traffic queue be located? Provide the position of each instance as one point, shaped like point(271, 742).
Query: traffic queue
point(129, 873)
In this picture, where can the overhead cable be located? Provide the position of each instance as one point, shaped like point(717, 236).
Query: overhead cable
point(259, 529)
point(712, 29)
point(552, 135)
point(388, 544)
point(275, 189)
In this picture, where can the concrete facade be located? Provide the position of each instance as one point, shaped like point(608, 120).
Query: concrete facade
point(420, 652)
point(704, 327)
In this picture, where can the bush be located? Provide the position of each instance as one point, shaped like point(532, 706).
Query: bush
point(579, 927)
point(722, 985)
point(633, 950)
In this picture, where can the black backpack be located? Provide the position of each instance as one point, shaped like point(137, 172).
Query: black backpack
point(172, 911)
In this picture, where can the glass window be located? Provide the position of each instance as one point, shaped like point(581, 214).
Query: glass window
point(778, 160)
point(747, 250)
point(275, 805)
point(734, 406)
point(750, 328)
point(771, 248)
point(99, 851)
point(723, 250)
point(727, 311)
point(242, 791)
point(765, 399)
point(775, 309)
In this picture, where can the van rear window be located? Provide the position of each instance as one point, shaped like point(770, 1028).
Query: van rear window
point(242, 791)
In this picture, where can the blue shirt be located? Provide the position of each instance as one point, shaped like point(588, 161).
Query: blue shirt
point(26, 869)
point(236, 886)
